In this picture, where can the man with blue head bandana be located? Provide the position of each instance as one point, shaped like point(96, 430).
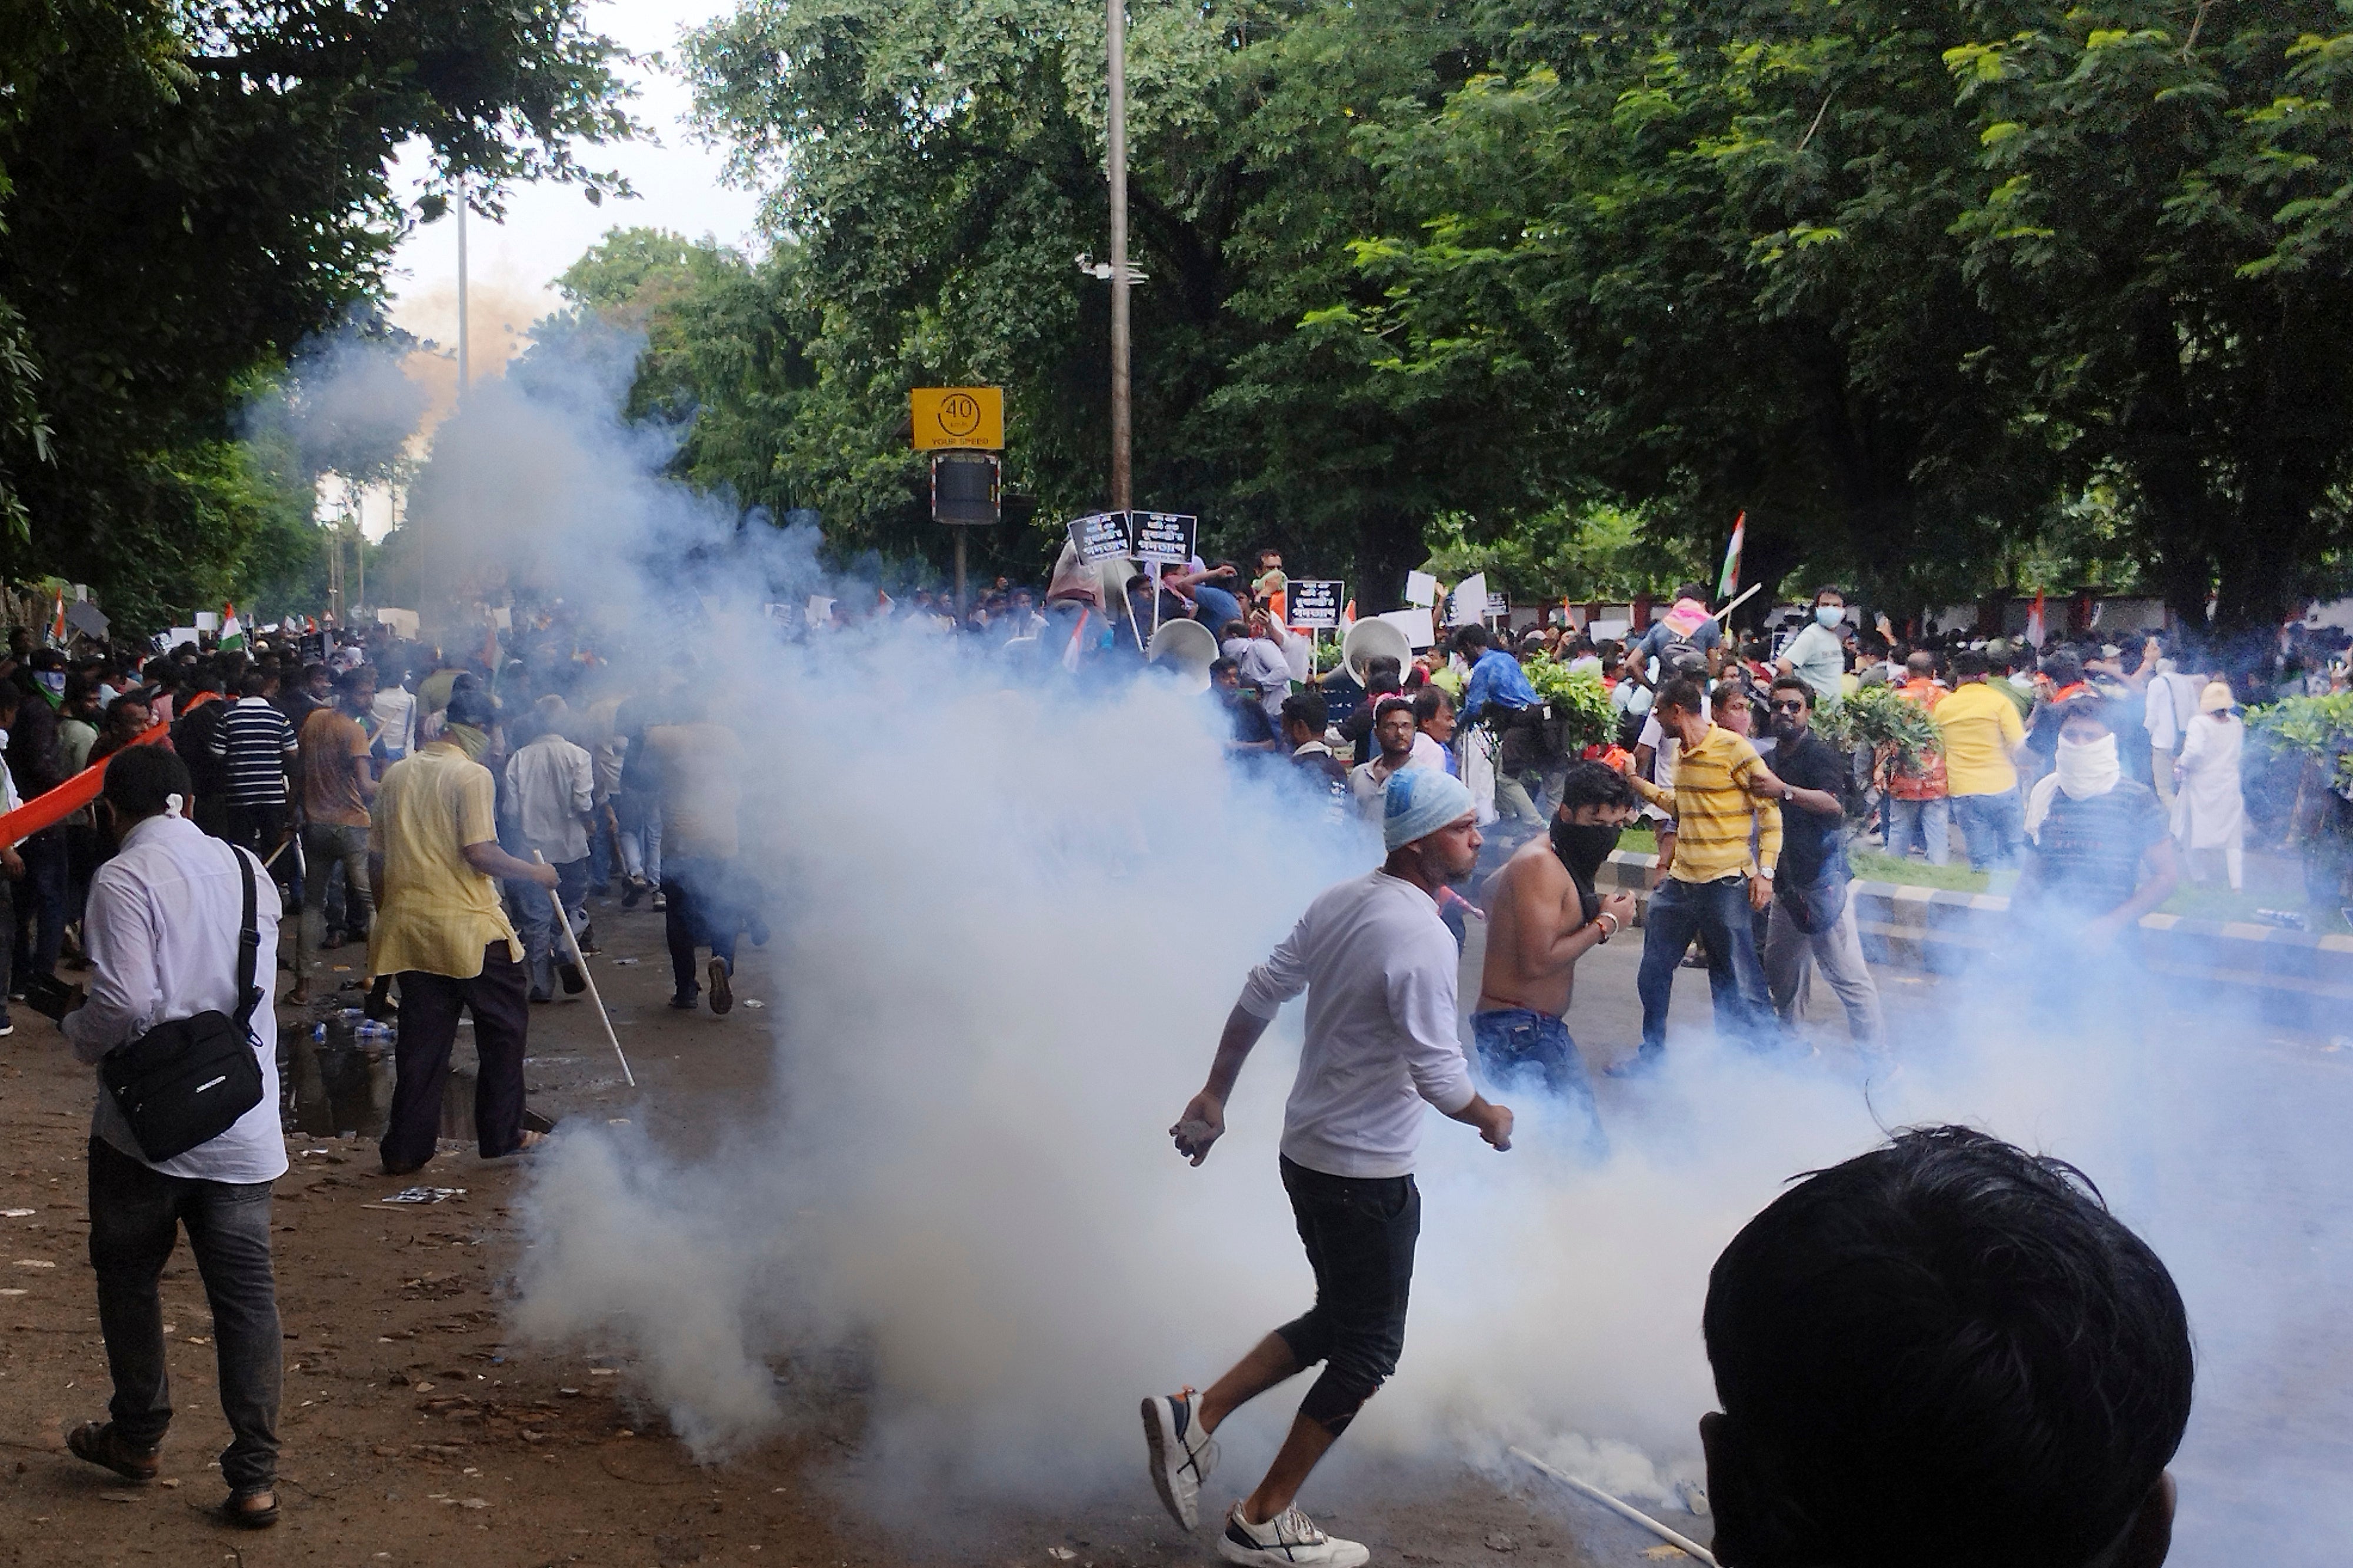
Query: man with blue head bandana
point(1379, 967)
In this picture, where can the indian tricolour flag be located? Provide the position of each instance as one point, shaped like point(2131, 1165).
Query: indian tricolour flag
point(1729, 583)
point(232, 632)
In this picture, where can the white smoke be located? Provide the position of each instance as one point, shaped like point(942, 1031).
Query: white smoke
point(1009, 918)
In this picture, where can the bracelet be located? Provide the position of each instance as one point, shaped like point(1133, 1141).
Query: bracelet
point(1607, 931)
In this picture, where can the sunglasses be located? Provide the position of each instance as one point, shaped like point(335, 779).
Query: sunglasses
point(1792, 706)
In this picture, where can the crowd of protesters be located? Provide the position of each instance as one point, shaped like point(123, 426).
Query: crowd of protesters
point(456, 812)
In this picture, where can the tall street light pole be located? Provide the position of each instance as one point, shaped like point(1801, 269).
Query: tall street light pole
point(1120, 421)
point(462, 289)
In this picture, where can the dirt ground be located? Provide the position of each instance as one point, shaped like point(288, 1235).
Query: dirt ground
point(413, 1434)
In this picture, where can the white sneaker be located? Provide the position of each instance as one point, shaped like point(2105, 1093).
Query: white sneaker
point(1289, 1539)
point(1182, 1453)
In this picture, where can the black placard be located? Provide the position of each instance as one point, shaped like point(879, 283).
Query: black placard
point(1101, 536)
point(1164, 536)
point(1314, 604)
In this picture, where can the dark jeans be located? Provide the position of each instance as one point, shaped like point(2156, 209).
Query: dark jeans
point(1359, 1233)
point(134, 1214)
point(1718, 913)
point(1515, 1043)
point(429, 1004)
point(702, 907)
point(40, 906)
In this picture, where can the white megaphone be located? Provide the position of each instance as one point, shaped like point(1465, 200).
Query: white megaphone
point(1370, 640)
point(1188, 648)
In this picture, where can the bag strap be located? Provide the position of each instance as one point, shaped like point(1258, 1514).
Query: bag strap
point(248, 945)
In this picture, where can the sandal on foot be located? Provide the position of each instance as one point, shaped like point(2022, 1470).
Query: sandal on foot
point(101, 1445)
point(239, 1507)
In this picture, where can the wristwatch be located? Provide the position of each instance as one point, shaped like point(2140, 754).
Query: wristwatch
point(1766, 872)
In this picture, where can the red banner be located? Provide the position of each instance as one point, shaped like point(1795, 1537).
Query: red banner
point(48, 810)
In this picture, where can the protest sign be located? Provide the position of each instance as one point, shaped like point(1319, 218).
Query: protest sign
point(1315, 603)
point(1102, 536)
point(1415, 624)
point(1164, 536)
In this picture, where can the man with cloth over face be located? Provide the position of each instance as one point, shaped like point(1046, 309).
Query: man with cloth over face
point(1544, 913)
point(1378, 968)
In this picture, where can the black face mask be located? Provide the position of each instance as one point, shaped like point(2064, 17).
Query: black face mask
point(1584, 849)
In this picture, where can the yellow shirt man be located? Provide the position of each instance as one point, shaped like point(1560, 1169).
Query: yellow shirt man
point(438, 913)
point(1981, 731)
point(1714, 810)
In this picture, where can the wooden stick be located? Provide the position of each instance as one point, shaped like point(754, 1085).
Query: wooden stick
point(1737, 602)
point(563, 924)
point(1626, 1512)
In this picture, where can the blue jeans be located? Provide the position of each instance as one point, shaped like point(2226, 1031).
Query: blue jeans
point(1927, 823)
point(135, 1215)
point(639, 811)
point(1718, 913)
point(542, 942)
point(1991, 825)
point(1515, 1042)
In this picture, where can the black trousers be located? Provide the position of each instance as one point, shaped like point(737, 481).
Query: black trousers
point(430, 1005)
point(1359, 1232)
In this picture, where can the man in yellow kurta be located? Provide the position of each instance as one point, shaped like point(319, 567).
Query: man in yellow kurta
point(434, 856)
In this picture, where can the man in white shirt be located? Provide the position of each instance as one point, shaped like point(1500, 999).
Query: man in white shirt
point(1263, 663)
point(1816, 655)
point(551, 793)
point(2170, 705)
point(1378, 968)
point(1400, 748)
point(161, 932)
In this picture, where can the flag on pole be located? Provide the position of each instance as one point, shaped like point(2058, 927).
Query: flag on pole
point(2034, 620)
point(232, 630)
point(1729, 583)
point(58, 624)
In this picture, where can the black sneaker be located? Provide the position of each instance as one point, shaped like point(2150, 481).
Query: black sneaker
point(687, 1001)
point(636, 890)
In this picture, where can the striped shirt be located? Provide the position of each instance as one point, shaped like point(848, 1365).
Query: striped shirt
point(1713, 811)
point(252, 742)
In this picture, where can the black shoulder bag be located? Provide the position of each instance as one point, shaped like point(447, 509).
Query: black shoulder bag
point(187, 1081)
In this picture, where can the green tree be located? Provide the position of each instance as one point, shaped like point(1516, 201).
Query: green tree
point(1716, 239)
point(2163, 222)
point(941, 167)
point(192, 190)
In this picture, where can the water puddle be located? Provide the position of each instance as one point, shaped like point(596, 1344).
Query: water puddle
point(337, 1078)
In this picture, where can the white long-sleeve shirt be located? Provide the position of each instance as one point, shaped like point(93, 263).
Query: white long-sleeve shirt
point(1377, 965)
point(161, 933)
point(551, 785)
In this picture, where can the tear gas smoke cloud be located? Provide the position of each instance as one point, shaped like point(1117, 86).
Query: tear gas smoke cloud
point(1009, 923)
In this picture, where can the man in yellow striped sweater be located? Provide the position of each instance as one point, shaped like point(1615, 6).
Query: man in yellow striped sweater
point(1720, 792)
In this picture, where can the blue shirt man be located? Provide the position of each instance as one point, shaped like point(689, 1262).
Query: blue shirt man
point(1496, 677)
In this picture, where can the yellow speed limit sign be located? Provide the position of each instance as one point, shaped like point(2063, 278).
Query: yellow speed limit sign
point(969, 416)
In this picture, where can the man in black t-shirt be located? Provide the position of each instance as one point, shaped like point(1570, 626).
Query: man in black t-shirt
point(1812, 920)
point(2102, 858)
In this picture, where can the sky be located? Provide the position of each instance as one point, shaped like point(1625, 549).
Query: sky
point(511, 265)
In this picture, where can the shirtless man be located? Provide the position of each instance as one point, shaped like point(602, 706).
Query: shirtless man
point(1543, 915)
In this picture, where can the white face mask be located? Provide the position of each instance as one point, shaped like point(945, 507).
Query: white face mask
point(2086, 768)
point(1828, 616)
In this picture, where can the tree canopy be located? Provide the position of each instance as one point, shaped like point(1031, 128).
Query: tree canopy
point(189, 191)
point(1950, 302)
